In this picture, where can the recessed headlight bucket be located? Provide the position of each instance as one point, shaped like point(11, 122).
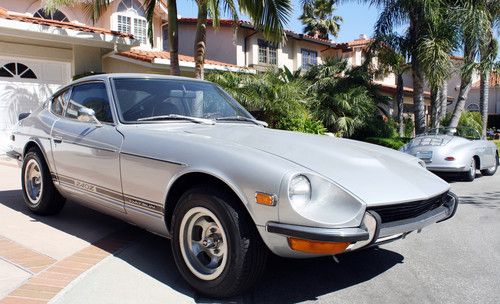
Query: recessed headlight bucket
point(299, 190)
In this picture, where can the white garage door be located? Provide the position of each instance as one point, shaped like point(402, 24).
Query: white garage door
point(24, 84)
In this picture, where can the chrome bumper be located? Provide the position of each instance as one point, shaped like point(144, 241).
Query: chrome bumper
point(372, 231)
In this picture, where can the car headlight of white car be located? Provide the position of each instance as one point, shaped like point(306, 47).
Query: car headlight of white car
point(322, 201)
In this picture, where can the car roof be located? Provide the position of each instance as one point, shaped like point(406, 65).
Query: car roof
point(132, 75)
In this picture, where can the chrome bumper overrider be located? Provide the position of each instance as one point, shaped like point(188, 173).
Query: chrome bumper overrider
point(372, 231)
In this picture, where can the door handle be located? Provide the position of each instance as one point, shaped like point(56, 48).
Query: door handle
point(57, 139)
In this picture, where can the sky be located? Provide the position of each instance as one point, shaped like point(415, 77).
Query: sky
point(358, 18)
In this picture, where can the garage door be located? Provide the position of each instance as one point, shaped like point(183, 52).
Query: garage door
point(24, 84)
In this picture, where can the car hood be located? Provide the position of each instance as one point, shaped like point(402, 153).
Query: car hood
point(375, 174)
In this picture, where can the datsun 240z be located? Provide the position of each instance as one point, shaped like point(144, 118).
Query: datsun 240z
point(181, 158)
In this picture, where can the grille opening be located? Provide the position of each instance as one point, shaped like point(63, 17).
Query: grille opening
point(392, 213)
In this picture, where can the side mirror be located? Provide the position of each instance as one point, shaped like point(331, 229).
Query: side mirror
point(23, 116)
point(86, 114)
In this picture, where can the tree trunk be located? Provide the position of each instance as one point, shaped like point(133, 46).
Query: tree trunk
point(400, 103)
point(173, 38)
point(200, 40)
point(418, 97)
point(435, 107)
point(484, 99)
point(443, 97)
point(465, 85)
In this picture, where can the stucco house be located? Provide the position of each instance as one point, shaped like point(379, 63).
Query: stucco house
point(39, 52)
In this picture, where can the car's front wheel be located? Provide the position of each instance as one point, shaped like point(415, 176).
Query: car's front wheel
point(215, 244)
point(40, 194)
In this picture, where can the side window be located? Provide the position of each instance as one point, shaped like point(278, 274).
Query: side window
point(59, 102)
point(92, 96)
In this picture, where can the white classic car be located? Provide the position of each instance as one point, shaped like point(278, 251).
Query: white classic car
point(181, 158)
point(460, 151)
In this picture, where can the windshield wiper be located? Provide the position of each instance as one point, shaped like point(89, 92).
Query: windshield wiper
point(242, 118)
point(179, 117)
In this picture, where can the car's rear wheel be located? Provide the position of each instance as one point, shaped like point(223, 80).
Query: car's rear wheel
point(471, 174)
point(40, 194)
point(491, 171)
point(215, 244)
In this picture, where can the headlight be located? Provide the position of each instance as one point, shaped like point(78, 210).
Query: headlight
point(299, 190)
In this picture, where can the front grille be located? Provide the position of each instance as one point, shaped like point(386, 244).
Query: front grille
point(404, 211)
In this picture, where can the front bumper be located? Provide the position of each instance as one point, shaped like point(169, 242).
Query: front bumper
point(371, 232)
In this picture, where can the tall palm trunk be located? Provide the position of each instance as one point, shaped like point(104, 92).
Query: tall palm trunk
point(200, 40)
point(465, 85)
point(173, 38)
point(443, 98)
point(484, 98)
point(400, 103)
point(418, 97)
point(435, 107)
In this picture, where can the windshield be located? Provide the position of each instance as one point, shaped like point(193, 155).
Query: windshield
point(465, 132)
point(150, 99)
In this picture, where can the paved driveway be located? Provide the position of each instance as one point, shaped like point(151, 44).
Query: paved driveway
point(457, 261)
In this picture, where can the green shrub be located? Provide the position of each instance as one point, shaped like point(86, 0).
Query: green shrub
point(377, 127)
point(393, 143)
point(408, 126)
point(468, 119)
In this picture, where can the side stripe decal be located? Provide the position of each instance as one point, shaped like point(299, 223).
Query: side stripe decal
point(108, 193)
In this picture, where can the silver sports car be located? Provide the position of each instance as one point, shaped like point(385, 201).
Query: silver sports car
point(181, 158)
point(455, 150)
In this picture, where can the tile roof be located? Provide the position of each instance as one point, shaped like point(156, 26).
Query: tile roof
point(150, 56)
point(494, 80)
point(4, 14)
point(247, 24)
point(359, 42)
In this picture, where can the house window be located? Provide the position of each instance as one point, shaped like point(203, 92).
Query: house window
point(309, 58)
point(57, 15)
point(130, 18)
point(268, 52)
point(166, 45)
point(17, 70)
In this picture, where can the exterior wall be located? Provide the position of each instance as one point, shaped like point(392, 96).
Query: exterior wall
point(493, 101)
point(85, 59)
point(221, 43)
point(36, 52)
point(112, 65)
point(77, 14)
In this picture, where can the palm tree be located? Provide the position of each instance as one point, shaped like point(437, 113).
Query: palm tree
point(489, 52)
point(319, 19)
point(95, 9)
point(267, 15)
point(474, 19)
point(392, 54)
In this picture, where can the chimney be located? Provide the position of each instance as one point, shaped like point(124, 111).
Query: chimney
point(363, 37)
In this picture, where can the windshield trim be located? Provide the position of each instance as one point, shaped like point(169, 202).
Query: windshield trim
point(230, 100)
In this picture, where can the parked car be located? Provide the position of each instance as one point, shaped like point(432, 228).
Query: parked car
point(455, 150)
point(181, 158)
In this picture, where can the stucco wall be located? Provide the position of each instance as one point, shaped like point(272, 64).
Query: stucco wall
point(112, 65)
point(221, 43)
point(493, 100)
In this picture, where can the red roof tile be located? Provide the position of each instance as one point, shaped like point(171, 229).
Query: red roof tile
point(60, 24)
point(494, 80)
point(149, 56)
point(359, 42)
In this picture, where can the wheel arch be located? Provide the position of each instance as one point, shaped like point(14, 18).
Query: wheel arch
point(192, 179)
point(477, 160)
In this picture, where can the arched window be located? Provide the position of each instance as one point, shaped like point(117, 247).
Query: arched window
point(17, 70)
point(57, 15)
point(130, 18)
point(473, 107)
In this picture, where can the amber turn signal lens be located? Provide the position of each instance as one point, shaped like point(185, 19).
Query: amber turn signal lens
point(265, 199)
point(316, 247)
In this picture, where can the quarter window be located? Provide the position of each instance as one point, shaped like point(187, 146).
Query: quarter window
point(267, 52)
point(59, 103)
point(130, 18)
point(309, 58)
point(93, 96)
